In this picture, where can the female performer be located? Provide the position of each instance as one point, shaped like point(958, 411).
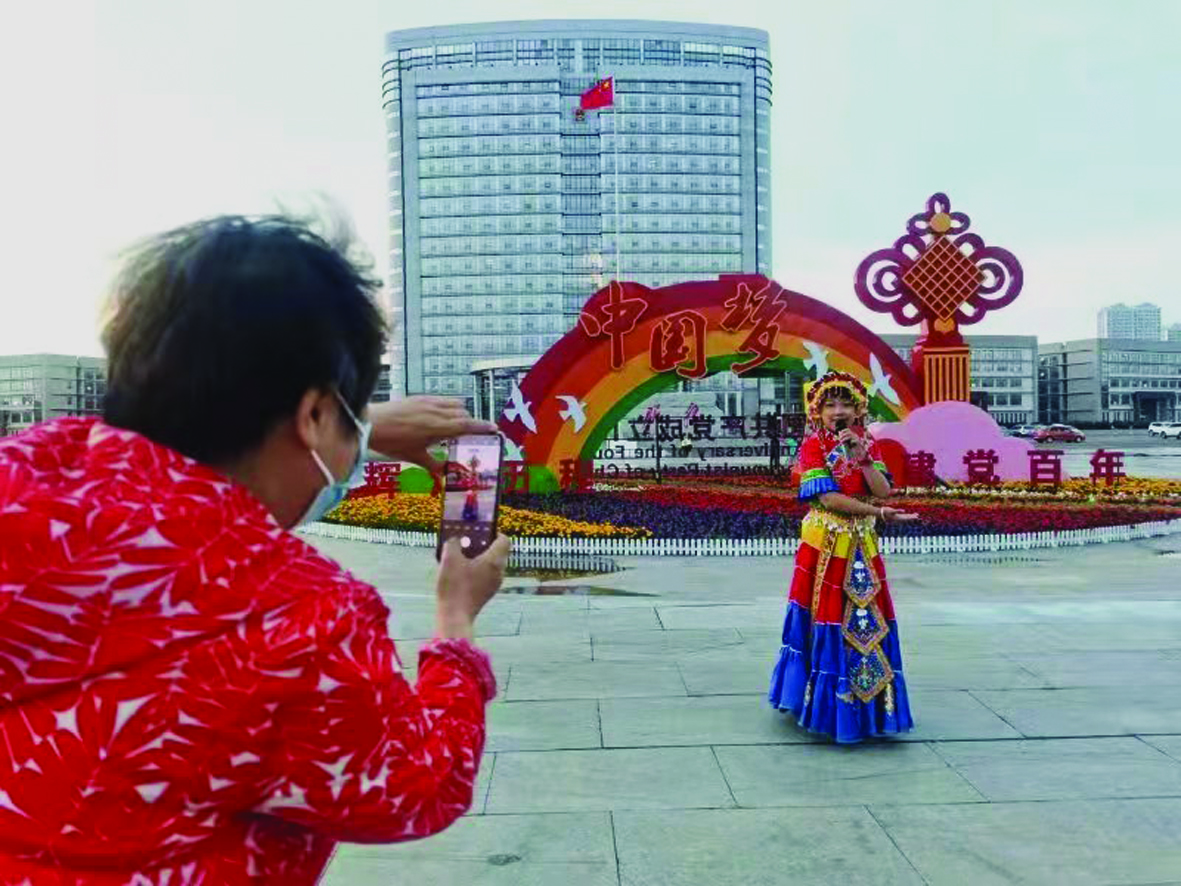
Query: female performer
point(840, 667)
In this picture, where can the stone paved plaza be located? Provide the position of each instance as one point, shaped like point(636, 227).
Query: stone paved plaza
point(631, 743)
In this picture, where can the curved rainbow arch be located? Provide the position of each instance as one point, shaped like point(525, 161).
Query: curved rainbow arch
point(579, 365)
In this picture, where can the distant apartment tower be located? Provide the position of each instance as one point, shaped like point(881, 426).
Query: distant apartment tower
point(1174, 333)
point(1130, 322)
point(502, 205)
point(38, 387)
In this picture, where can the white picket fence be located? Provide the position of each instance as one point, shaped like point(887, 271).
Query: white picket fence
point(768, 547)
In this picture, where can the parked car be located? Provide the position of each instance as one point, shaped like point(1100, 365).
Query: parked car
point(1171, 430)
point(1156, 427)
point(1059, 434)
point(1025, 430)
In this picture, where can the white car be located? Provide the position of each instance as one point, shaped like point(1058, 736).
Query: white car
point(1157, 426)
point(1172, 429)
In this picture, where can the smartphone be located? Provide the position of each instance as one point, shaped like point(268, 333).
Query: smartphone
point(471, 493)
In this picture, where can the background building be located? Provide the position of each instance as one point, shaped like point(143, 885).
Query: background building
point(1110, 381)
point(1137, 321)
point(39, 387)
point(503, 206)
point(1004, 373)
point(1174, 333)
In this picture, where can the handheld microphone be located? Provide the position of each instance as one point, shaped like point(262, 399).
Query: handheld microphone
point(840, 424)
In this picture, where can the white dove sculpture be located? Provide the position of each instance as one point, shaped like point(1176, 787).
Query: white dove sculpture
point(817, 359)
point(518, 409)
point(575, 411)
point(881, 381)
point(513, 452)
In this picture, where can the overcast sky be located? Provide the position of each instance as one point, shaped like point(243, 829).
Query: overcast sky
point(1055, 124)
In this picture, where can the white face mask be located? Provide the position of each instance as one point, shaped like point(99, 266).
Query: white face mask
point(334, 491)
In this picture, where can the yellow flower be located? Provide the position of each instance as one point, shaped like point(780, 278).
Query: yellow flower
point(422, 513)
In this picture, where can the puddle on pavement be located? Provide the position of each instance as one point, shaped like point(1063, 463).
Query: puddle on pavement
point(572, 591)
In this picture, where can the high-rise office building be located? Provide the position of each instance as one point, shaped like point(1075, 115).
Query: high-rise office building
point(503, 206)
point(1174, 333)
point(1130, 322)
point(39, 387)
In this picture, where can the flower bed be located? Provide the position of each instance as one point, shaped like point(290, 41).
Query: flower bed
point(422, 513)
point(687, 513)
point(713, 510)
point(1133, 490)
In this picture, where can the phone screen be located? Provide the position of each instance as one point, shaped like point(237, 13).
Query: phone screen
point(471, 493)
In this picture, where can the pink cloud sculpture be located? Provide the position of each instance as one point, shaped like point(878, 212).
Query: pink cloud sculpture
point(948, 430)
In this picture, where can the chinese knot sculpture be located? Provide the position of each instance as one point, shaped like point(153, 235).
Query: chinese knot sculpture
point(942, 277)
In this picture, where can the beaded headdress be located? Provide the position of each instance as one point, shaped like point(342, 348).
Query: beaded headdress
point(819, 392)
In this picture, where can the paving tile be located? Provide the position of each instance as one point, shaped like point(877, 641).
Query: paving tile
point(483, 782)
point(497, 850)
point(758, 847)
point(743, 672)
point(583, 622)
point(763, 637)
point(1061, 613)
point(945, 715)
point(835, 775)
point(596, 679)
point(1069, 670)
point(967, 672)
point(1064, 769)
point(1076, 842)
point(737, 615)
point(568, 781)
point(537, 649)
point(994, 647)
point(543, 725)
point(961, 640)
point(648, 645)
point(1168, 744)
point(1126, 710)
point(1123, 635)
point(634, 618)
point(421, 625)
point(714, 720)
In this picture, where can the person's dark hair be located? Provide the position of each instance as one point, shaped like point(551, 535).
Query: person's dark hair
point(838, 392)
point(217, 329)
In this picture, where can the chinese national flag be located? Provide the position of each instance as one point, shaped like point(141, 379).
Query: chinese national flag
point(601, 95)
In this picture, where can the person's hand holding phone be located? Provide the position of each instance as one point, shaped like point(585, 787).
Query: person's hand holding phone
point(406, 429)
point(465, 584)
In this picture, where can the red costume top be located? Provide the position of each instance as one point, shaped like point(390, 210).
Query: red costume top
point(823, 466)
point(191, 694)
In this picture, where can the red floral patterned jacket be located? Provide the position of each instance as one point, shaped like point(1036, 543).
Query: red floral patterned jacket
point(190, 694)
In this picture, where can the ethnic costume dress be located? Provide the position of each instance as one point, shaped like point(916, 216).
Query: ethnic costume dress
point(840, 667)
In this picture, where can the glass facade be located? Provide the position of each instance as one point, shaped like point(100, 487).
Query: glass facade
point(1138, 321)
point(1111, 382)
point(507, 213)
point(1003, 370)
point(40, 387)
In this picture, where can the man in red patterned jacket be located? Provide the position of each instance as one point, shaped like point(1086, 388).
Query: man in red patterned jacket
point(190, 694)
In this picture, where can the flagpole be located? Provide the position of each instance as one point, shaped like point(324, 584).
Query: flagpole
point(617, 121)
